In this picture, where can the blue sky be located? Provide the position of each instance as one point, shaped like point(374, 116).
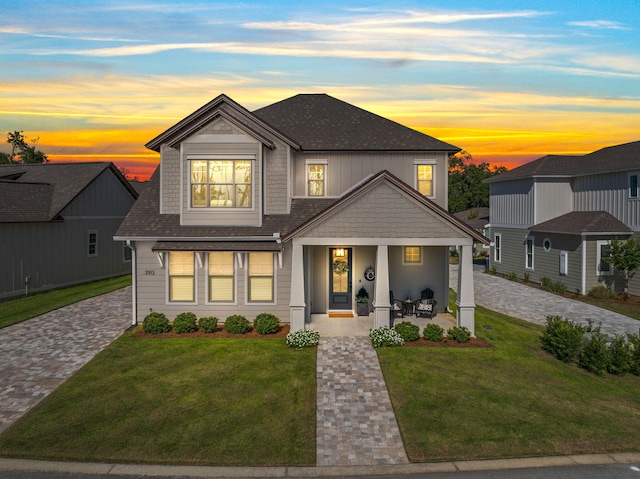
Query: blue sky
point(507, 81)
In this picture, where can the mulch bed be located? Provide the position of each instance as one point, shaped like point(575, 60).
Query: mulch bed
point(218, 333)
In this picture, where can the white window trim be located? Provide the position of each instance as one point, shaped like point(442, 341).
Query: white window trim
point(600, 243)
point(406, 263)
point(497, 247)
point(229, 157)
point(94, 254)
point(544, 241)
point(309, 162)
point(526, 253)
point(432, 163)
point(235, 284)
point(167, 281)
point(246, 285)
point(637, 192)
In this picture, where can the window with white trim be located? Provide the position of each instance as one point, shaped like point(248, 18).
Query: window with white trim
point(126, 253)
point(92, 243)
point(260, 277)
point(497, 247)
point(603, 252)
point(181, 276)
point(221, 276)
point(221, 183)
point(529, 252)
point(424, 179)
point(633, 187)
point(316, 176)
point(412, 255)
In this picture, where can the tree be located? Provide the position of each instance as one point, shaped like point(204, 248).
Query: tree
point(625, 257)
point(21, 152)
point(466, 187)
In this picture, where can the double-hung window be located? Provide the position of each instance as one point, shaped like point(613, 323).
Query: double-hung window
point(221, 276)
point(221, 183)
point(316, 177)
point(497, 247)
point(424, 179)
point(603, 253)
point(529, 252)
point(92, 243)
point(261, 272)
point(633, 186)
point(181, 276)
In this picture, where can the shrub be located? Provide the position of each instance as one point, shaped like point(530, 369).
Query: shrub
point(594, 355)
point(236, 324)
point(303, 338)
point(512, 276)
point(634, 360)
point(207, 324)
point(546, 284)
point(155, 323)
point(619, 356)
point(385, 336)
point(408, 331)
point(459, 334)
point(559, 287)
point(562, 338)
point(433, 332)
point(184, 323)
point(266, 323)
point(526, 278)
point(601, 292)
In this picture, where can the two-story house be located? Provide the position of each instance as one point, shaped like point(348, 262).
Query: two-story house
point(291, 208)
point(555, 217)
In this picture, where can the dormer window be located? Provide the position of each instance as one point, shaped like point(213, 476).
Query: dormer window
point(221, 183)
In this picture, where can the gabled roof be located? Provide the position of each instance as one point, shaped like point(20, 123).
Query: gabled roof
point(321, 122)
point(477, 218)
point(39, 192)
point(623, 157)
point(584, 222)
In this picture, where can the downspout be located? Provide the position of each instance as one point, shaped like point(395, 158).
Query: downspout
point(134, 296)
point(583, 280)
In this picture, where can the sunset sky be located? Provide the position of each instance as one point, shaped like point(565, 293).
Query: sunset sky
point(508, 81)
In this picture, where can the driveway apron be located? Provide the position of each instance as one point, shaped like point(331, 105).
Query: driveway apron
point(40, 354)
point(534, 305)
point(356, 424)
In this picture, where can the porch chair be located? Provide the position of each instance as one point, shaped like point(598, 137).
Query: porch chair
point(426, 305)
point(396, 309)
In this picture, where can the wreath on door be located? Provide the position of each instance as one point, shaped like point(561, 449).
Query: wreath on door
point(340, 267)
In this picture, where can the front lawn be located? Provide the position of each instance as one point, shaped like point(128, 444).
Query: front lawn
point(179, 401)
point(513, 400)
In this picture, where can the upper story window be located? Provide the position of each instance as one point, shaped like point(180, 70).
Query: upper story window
point(316, 175)
point(424, 179)
point(221, 183)
point(92, 243)
point(633, 186)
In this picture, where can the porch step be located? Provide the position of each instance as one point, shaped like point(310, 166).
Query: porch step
point(356, 424)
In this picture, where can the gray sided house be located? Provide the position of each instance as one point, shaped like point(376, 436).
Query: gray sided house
point(556, 216)
point(57, 223)
point(291, 209)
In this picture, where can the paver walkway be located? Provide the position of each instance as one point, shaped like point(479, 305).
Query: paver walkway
point(534, 305)
point(356, 424)
point(40, 354)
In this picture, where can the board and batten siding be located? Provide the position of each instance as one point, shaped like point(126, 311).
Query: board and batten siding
point(511, 203)
point(553, 198)
point(152, 290)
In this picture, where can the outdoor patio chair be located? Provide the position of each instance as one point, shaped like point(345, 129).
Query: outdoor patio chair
point(396, 309)
point(426, 305)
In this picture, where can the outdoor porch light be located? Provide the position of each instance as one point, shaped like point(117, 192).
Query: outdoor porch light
point(339, 252)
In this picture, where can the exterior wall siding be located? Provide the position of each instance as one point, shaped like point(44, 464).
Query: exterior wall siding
point(512, 203)
point(276, 179)
point(552, 198)
point(170, 186)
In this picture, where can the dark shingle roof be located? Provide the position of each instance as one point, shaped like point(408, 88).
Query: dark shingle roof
point(613, 158)
point(578, 222)
point(39, 192)
point(477, 218)
point(321, 122)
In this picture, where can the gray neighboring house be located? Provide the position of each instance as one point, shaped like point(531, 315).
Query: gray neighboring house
point(57, 222)
point(556, 216)
point(290, 210)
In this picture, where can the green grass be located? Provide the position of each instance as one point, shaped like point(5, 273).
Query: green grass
point(179, 401)
point(629, 308)
point(512, 400)
point(21, 309)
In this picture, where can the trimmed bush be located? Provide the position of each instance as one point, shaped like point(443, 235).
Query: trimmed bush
point(266, 323)
point(562, 338)
point(155, 323)
point(459, 334)
point(384, 336)
point(619, 356)
point(601, 292)
point(594, 355)
point(185, 323)
point(433, 332)
point(303, 338)
point(207, 324)
point(236, 324)
point(407, 331)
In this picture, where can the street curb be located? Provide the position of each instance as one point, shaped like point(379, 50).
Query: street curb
point(8, 464)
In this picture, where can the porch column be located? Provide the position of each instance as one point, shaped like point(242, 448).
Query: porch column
point(297, 305)
point(382, 307)
point(465, 302)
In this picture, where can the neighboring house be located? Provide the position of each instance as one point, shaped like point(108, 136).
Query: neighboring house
point(478, 219)
point(556, 216)
point(284, 209)
point(57, 223)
